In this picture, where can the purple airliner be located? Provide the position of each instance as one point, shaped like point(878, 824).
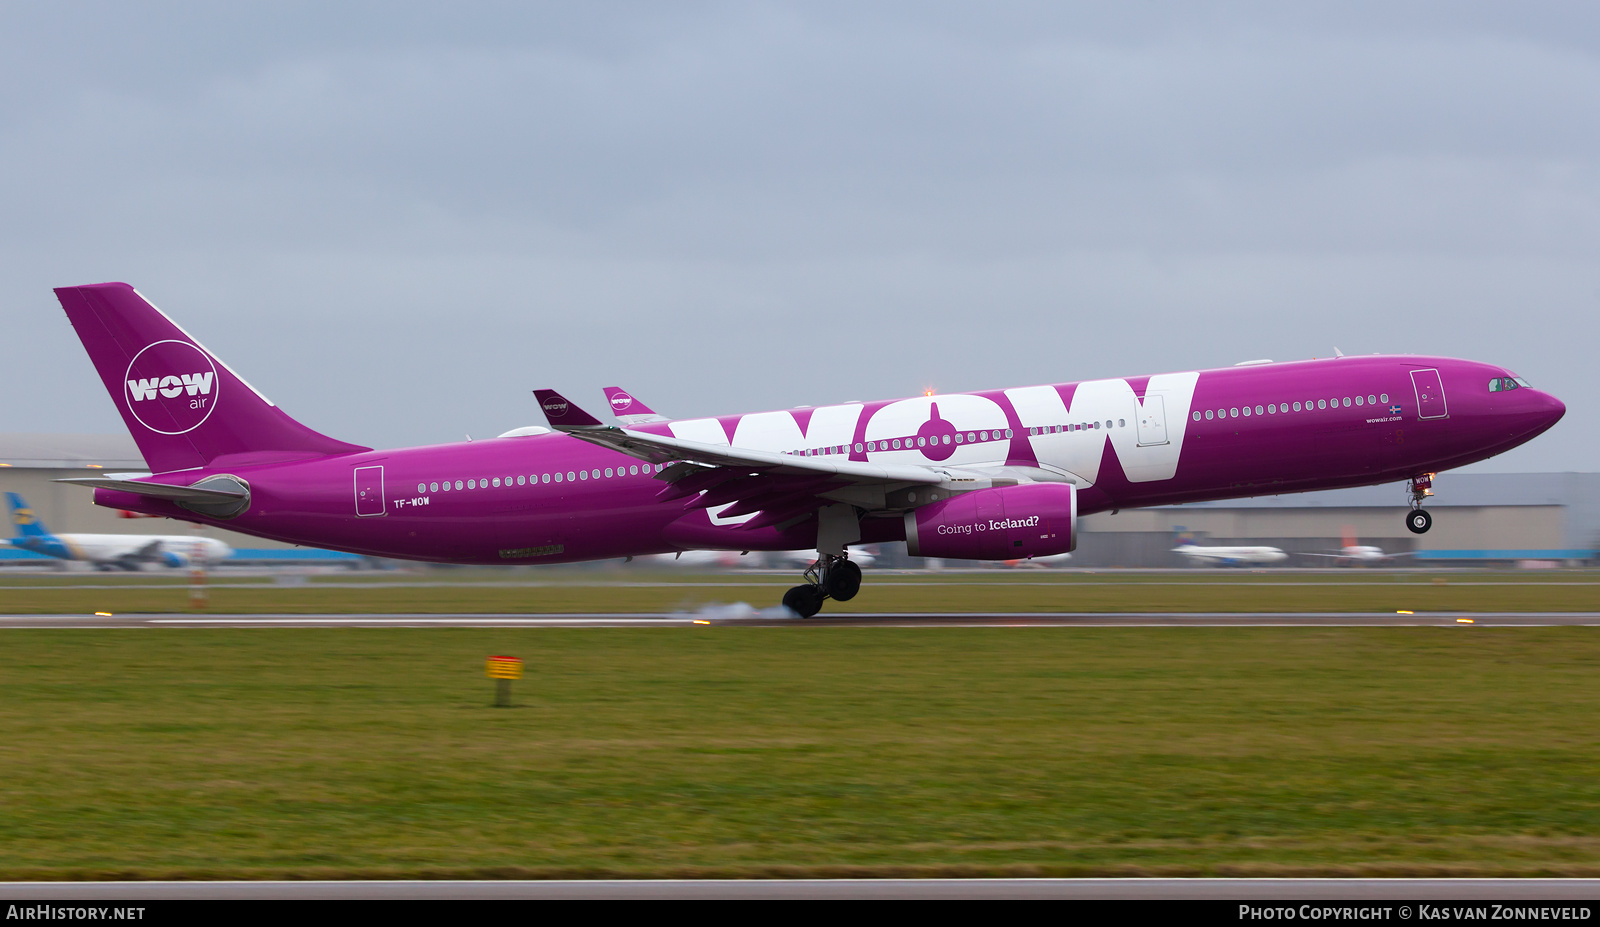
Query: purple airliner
point(994, 475)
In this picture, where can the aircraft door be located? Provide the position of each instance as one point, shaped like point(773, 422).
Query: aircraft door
point(369, 491)
point(1430, 394)
point(1152, 420)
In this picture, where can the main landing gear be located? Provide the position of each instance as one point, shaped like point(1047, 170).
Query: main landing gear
point(1418, 521)
point(829, 577)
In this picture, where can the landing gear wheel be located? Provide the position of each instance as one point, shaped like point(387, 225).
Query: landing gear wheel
point(1419, 521)
point(843, 580)
point(804, 601)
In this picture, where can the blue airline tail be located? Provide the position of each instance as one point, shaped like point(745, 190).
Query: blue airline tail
point(28, 524)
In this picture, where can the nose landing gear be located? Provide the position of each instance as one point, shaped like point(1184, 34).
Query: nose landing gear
point(829, 577)
point(1418, 521)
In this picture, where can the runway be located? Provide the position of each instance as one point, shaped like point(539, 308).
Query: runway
point(1396, 891)
point(734, 616)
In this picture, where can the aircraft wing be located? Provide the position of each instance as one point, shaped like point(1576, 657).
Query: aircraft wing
point(1304, 553)
point(781, 487)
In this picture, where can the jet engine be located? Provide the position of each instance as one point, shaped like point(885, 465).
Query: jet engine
point(172, 558)
point(1006, 523)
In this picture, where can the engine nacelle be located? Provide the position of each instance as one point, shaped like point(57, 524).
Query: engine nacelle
point(172, 558)
point(1009, 523)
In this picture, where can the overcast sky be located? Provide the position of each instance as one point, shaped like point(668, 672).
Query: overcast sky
point(397, 222)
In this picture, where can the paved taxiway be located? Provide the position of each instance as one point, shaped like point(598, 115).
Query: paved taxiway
point(1397, 891)
point(886, 620)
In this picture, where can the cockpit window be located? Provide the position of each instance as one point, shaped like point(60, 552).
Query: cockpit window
point(1502, 384)
point(1520, 382)
point(1494, 385)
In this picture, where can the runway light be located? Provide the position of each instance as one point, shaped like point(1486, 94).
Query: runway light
point(1463, 621)
point(1404, 612)
point(102, 614)
point(698, 621)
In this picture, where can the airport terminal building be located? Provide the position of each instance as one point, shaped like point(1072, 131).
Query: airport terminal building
point(1479, 518)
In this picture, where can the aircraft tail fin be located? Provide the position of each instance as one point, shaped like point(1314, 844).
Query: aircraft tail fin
point(628, 409)
point(184, 407)
point(1348, 534)
point(562, 413)
point(28, 524)
point(1183, 535)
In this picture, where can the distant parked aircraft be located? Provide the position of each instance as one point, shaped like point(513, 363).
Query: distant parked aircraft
point(804, 558)
point(111, 551)
point(1352, 552)
point(711, 559)
point(1050, 561)
point(1226, 556)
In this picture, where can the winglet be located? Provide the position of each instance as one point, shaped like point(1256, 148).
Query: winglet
point(628, 409)
point(562, 414)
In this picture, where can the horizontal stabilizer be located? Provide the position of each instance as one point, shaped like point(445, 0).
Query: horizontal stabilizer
point(562, 414)
point(160, 490)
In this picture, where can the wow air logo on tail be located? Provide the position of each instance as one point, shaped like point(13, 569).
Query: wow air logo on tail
point(171, 387)
point(555, 407)
point(621, 401)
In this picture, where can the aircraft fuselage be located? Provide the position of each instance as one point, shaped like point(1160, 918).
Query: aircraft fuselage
point(1124, 443)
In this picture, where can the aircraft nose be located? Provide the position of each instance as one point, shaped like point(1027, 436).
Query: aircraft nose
point(1551, 409)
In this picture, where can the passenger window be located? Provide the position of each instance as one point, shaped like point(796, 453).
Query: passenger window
point(1372, 400)
point(1122, 423)
point(1322, 403)
point(1297, 407)
point(1208, 415)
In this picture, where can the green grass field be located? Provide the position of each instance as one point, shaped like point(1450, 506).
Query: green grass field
point(655, 591)
point(800, 751)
